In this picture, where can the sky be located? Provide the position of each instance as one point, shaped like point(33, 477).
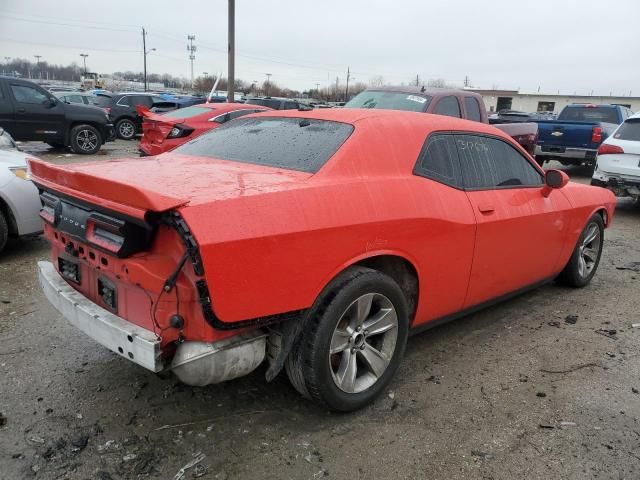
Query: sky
point(566, 46)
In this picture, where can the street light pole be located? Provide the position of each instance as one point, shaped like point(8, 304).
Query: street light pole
point(84, 61)
point(38, 57)
point(231, 79)
point(268, 87)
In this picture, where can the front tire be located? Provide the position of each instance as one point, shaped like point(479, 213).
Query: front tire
point(585, 259)
point(4, 232)
point(85, 139)
point(125, 129)
point(354, 341)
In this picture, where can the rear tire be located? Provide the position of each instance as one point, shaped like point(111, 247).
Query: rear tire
point(85, 139)
point(353, 342)
point(125, 129)
point(4, 231)
point(585, 259)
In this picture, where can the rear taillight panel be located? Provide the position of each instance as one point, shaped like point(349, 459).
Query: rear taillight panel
point(596, 134)
point(606, 149)
point(180, 130)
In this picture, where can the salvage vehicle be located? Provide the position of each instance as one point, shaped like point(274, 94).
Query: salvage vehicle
point(19, 198)
point(441, 101)
point(84, 98)
point(618, 161)
point(29, 112)
point(574, 138)
point(164, 132)
point(124, 115)
point(317, 240)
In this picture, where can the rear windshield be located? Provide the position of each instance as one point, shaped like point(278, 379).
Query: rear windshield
point(389, 101)
point(100, 100)
point(290, 143)
point(589, 114)
point(187, 112)
point(629, 130)
point(265, 102)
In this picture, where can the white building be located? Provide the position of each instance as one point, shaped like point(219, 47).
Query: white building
point(496, 100)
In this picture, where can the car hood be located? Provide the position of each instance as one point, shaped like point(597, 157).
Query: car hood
point(161, 183)
point(75, 108)
point(13, 158)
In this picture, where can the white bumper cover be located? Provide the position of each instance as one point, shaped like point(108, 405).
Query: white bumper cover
point(130, 341)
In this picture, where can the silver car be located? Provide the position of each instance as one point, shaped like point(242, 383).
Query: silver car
point(19, 198)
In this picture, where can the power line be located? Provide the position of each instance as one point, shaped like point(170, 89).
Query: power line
point(26, 42)
point(66, 24)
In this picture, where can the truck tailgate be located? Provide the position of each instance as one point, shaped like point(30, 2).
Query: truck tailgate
point(556, 133)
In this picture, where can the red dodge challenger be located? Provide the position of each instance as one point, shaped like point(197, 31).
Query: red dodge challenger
point(315, 241)
point(164, 132)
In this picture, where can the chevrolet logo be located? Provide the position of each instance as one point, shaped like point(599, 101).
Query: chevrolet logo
point(557, 134)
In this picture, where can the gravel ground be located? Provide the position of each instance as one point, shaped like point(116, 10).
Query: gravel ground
point(519, 390)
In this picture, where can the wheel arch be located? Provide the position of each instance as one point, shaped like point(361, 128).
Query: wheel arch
point(5, 209)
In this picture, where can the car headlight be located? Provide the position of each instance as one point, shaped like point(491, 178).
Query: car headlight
point(21, 172)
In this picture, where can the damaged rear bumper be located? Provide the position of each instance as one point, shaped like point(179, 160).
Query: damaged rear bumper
point(130, 341)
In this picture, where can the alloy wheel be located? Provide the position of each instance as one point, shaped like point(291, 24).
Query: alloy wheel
point(87, 140)
point(589, 250)
point(126, 130)
point(363, 343)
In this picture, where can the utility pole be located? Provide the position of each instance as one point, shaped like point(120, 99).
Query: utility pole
point(346, 92)
point(231, 80)
point(466, 81)
point(144, 51)
point(417, 81)
point(84, 60)
point(336, 99)
point(191, 48)
point(268, 87)
point(38, 57)
point(318, 90)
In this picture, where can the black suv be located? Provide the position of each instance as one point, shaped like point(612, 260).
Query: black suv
point(123, 112)
point(29, 112)
point(278, 103)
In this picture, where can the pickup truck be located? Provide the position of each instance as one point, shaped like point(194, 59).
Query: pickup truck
point(29, 112)
point(574, 138)
point(442, 101)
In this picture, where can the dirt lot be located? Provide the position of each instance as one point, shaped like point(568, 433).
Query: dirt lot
point(513, 392)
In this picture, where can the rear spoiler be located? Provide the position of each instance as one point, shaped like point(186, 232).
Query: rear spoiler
point(108, 194)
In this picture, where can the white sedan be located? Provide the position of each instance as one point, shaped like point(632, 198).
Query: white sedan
point(19, 198)
point(618, 163)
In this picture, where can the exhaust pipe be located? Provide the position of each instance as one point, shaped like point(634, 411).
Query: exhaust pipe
point(200, 363)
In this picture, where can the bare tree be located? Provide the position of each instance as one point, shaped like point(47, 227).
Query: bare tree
point(377, 81)
point(438, 83)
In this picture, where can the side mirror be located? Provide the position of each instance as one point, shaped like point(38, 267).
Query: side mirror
point(50, 102)
point(554, 179)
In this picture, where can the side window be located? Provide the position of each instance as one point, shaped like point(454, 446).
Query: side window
point(239, 113)
point(126, 100)
point(489, 163)
point(448, 106)
point(275, 104)
point(290, 106)
point(27, 94)
point(438, 161)
point(143, 100)
point(74, 99)
point(473, 108)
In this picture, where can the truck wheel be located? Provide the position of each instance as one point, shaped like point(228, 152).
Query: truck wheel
point(125, 129)
point(85, 139)
point(584, 261)
point(354, 341)
point(4, 231)
point(540, 160)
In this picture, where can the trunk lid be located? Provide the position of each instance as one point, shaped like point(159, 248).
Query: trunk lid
point(156, 128)
point(160, 183)
point(566, 134)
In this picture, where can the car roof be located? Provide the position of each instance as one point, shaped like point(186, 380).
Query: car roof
point(423, 91)
point(429, 122)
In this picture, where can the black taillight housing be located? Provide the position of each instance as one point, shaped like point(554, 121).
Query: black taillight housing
point(180, 130)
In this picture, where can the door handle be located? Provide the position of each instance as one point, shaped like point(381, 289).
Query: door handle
point(486, 208)
point(21, 110)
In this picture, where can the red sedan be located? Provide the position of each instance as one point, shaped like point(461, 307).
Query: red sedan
point(316, 240)
point(164, 132)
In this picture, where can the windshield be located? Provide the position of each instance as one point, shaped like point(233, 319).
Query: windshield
point(187, 112)
point(589, 114)
point(291, 143)
point(389, 101)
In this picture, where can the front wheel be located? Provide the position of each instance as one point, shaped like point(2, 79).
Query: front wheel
point(85, 139)
point(354, 342)
point(585, 259)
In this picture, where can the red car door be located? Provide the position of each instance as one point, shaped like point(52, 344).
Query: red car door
point(520, 232)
